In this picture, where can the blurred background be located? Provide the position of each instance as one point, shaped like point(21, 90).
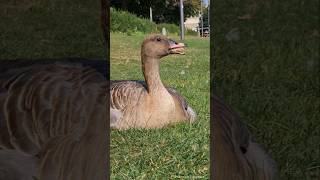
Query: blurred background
point(265, 56)
point(158, 14)
point(50, 29)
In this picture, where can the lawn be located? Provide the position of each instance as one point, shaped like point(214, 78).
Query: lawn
point(179, 151)
point(50, 29)
point(266, 56)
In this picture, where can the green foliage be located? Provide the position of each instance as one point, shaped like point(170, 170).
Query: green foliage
point(122, 21)
point(125, 22)
point(191, 32)
point(171, 28)
point(205, 18)
point(175, 30)
point(163, 11)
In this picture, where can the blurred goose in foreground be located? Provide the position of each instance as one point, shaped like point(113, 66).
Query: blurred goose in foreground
point(15, 165)
point(236, 156)
point(53, 122)
point(54, 118)
point(150, 104)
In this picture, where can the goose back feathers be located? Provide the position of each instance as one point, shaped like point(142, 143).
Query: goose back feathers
point(56, 113)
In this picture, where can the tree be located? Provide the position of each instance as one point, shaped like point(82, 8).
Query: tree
point(205, 18)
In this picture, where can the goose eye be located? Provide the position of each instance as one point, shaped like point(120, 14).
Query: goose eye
point(243, 150)
point(158, 39)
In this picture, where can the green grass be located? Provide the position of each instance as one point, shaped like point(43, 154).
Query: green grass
point(123, 21)
point(172, 29)
point(271, 77)
point(179, 151)
point(39, 29)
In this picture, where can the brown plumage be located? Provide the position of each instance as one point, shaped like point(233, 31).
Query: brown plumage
point(54, 114)
point(235, 153)
point(53, 118)
point(15, 165)
point(150, 104)
point(99, 65)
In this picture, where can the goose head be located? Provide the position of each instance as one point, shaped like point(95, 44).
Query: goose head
point(158, 46)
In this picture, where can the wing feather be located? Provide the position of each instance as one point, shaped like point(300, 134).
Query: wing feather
point(125, 93)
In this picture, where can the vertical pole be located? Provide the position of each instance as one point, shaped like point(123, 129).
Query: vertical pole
point(199, 34)
point(151, 14)
point(181, 21)
point(201, 19)
point(209, 16)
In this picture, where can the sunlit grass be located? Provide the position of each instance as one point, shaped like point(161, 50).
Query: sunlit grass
point(270, 75)
point(180, 151)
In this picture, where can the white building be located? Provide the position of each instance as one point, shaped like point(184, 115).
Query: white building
point(192, 23)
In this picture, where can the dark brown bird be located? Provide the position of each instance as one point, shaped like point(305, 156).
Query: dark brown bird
point(150, 104)
point(53, 117)
point(15, 165)
point(236, 156)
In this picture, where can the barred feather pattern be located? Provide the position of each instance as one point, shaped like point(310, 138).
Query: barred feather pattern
point(235, 153)
point(127, 96)
point(53, 112)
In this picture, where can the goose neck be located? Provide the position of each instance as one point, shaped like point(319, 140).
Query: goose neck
point(150, 68)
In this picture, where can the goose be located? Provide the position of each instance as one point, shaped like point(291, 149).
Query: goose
point(51, 117)
point(47, 133)
point(99, 65)
point(115, 115)
point(236, 155)
point(150, 104)
point(15, 165)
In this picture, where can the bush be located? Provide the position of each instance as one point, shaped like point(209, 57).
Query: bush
point(125, 22)
point(174, 29)
point(191, 33)
point(171, 28)
point(122, 21)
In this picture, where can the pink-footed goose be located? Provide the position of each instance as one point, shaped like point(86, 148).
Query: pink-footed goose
point(150, 104)
point(236, 155)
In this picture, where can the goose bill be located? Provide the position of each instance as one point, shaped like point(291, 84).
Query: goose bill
point(177, 48)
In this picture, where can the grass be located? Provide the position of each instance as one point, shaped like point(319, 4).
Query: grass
point(43, 29)
point(270, 75)
point(179, 151)
point(125, 22)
